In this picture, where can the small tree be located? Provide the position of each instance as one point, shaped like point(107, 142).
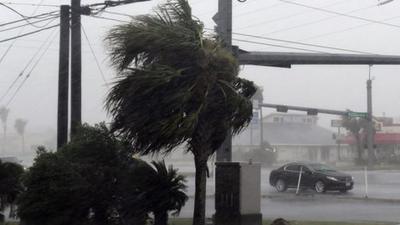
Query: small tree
point(10, 185)
point(20, 125)
point(356, 126)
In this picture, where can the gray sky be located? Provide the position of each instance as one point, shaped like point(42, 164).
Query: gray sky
point(332, 87)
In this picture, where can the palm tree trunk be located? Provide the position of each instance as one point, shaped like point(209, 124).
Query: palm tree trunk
point(161, 218)
point(199, 213)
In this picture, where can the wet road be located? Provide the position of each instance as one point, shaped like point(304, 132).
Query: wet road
point(383, 203)
point(300, 208)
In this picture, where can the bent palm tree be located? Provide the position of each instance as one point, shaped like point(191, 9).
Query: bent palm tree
point(20, 125)
point(176, 85)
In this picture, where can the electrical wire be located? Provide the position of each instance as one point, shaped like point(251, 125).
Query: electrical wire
point(30, 72)
point(302, 43)
point(29, 33)
point(279, 46)
point(315, 21)
point(346, 29)
point(26, 67)
point(286, 17)
point(298, 43)
point(341, 14)
point(30, 4)
point(110, 19)
point(19, 33)
point(39, 21)
point(40, 16)
point(20, 14)
point(94, 56)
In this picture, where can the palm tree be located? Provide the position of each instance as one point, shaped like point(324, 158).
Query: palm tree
point(20, 125)
point(3, 117)
point(176, 85)
point(355, 126)
point(159, 189)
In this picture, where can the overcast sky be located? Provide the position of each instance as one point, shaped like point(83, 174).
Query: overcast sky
point(331, 87)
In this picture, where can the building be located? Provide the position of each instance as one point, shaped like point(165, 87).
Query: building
point(294, 137)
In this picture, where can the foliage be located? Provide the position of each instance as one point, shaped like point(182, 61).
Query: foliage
point(4, 114)
point(10, 183)
point(176, 85)
point(95, 180)
point(356, 126)
point(20, 125)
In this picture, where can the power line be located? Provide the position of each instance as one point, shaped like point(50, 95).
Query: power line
point(20, 14)
point(286, 17)
point(279, 46)
point(29, 33)
point(26, 67)
point(117, 13)
point(346, 29)
point(39, 21)
point(315, 21)
point(301, 43)
point(94, 56)
point(110, 19)
point(48, 14)
point(341, 14)
point(19, 33)
point(30, 72)
point(30, 4)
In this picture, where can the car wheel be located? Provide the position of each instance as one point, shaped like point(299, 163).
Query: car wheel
point(343, 191)
point(319, 187)
point(280, 185)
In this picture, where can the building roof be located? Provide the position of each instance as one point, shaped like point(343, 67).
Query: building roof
point(288, 134)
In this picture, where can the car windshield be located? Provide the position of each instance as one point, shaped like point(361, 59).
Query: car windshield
point(321, 167)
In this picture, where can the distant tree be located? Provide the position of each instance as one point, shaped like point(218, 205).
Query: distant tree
point(20, 125)
point(355, 126)
point(10, 185)
point(3, 117)
point(176, 85)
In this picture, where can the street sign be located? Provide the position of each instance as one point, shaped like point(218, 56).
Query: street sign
point(357, 114)
point(336, 123)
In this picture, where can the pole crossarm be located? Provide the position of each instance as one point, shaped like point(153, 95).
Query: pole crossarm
point(284, 108)
point(286, 59)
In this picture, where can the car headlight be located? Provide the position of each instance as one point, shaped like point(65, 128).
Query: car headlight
point(332, 178)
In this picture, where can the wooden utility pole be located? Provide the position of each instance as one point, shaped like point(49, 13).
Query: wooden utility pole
point(76, 66)
point(63, 78)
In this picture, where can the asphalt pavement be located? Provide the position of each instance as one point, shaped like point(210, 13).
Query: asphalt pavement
point(380, 203)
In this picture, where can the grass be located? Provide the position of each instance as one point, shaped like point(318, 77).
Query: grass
point(185, 221)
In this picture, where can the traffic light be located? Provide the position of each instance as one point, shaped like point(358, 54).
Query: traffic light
point(281, 108)
point(312, 112)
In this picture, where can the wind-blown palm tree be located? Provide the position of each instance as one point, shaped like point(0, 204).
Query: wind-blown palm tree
point(20, 125)
point(176, 85)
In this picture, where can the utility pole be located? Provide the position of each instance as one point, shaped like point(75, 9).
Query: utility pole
point(76, 66)
point(63, 77)
point(223, 19)
point(370, 129)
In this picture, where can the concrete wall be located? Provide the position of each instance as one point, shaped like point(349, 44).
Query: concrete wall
point(250, 188)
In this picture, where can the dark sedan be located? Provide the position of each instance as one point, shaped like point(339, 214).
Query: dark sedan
point(316, 176)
